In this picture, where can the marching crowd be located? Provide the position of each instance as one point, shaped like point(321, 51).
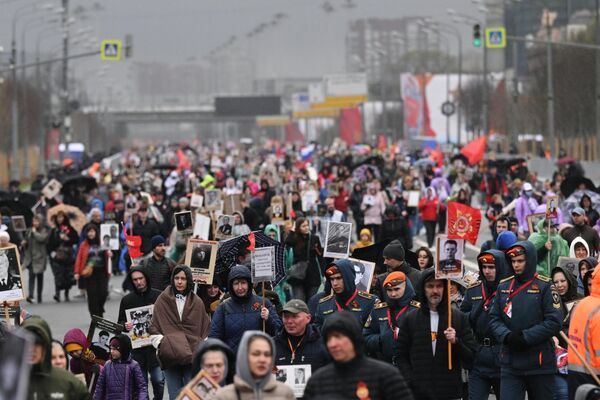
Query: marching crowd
point(529, 325)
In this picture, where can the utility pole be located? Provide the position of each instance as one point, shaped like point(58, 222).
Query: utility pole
point(485, 116)
point(550, 105)
point(14, 110)
point(65, 78)
point(597, 81)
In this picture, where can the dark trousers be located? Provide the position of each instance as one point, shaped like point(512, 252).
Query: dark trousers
point(97, 292)
point(40, 284)
point(479, 386)
point(537, 387)
point(430, 231)
point(375, 230)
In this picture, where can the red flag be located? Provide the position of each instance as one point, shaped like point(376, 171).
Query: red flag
point(463, 222)
point(293, 133)
point(252, 241)
point(475, 150)
point(133, 243)
point(184, 163)
point(351, 125)
point(437, 156)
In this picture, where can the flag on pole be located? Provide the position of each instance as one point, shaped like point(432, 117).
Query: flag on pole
point(133, 244)
point(463, 222)
point(475, 150)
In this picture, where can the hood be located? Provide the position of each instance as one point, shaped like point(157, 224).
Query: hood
point(241, 216)
point(348, 325)
point(426, 275)
point(239, 272)
point(39, 327)
point(241, 366)
point(502, 268)
point(596, 283)
point(188, 275)
point(75, 335)
point(264, 182)
point(409, 294)
point(531, 261)
point(256, 203)
point(365, 231)
point(211, 344)
point(125, 346)
point(272, 228)
point(348, 274)
point(505, 240)
point(591, 261)
point(433, 191)
point(572, 291)
point(578, 239)
point(141, 269)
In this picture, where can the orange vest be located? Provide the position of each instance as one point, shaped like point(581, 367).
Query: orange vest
point(584, 330)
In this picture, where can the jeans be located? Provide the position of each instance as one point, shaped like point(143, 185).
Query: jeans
point(538, 387)
point(561, 387)
point(156, 374)
point(177, 377)
point(479, 385)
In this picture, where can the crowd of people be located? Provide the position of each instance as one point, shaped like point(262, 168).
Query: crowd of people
point(529, 326)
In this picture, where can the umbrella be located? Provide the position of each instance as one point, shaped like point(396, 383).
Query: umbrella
point(573, 201)
point(229, 249)
point(573, 183)
point(81, 183)
point(374, 253)
point(565, 160)
point(75, 215)
point(17, 208)
point(360, 172)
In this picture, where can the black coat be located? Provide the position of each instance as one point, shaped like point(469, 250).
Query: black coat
point(146, 231)
point(311, 351)
point(144, 355)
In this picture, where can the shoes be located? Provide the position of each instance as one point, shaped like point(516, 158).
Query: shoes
point(30, 300)
point(39, 300)
point(56, 298)
point(67, 299)
point(79, 296)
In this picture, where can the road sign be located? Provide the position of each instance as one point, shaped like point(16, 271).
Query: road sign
point(448, 108)
point(495, 38)
point(111, 50)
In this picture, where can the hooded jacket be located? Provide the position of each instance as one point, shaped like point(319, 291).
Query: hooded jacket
point(241, 228)
point(581, 240)
point(44, 379)
point(395, 227)
point(236, 315)
point(356, 302)
point(591, 262)
point(82, 365)
point(535, 317)
point(559, 248)
point(476, 305)
point(122, 379)
point(427, 373)
point(385, 317)
point(144, 355)
point(569, 300)
point(181, 335)
point(360, 244)
point(211, 344)
point(342, 380)
point(245, 386)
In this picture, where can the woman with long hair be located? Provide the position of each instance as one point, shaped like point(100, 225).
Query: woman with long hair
point(424, 258)
point(60, 247)
point(303, 247)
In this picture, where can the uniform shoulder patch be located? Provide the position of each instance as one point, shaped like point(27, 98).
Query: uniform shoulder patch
point(544, 278)
point(382, 304)
point(365, 295)
point(415, 303)
point(475, 284)
point(507, 279)
point(324, 299)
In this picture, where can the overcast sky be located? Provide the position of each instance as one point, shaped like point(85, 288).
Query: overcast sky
point(310, 42)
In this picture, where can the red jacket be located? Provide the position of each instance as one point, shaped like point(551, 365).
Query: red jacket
point(429, 208)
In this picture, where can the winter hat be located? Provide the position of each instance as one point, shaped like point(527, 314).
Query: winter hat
point(505, 240)
point(156, 240)
point(394, 250)
point(115, 343)
point(527, 187)
point(343, 322)
point(122, 343)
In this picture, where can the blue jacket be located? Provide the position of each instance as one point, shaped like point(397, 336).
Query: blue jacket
point(379, 337)
point(236, 315)
point(536, 315)
point(487, 357)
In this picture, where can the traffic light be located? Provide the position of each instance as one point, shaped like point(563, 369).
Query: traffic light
point(477, 35)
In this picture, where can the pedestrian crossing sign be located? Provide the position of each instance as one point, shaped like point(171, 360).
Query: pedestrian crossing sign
point(495, 38)
point(111, 50)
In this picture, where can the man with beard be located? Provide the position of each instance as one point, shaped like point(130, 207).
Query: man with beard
point(340, 275)
point(423, 341)
point(158, 267)
point(243, 311)
point(485, 372)
point(381, 330)
point(143, 295)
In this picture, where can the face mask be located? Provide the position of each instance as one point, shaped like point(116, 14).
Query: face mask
point(529, 193)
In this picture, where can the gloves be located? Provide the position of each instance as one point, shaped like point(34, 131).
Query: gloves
point(516, 341)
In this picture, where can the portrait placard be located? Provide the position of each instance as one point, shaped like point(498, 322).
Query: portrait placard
point(224, 228)
point(263, 269)
point(295, 376)
point(141, 318)
point(183, 221)
point(51, 189)
point(533, 220)
point(212, 200)
point(413, 198)
point(337, 239)
point(201, 227)
point(196, 201)
point(11, 275)
point(201, 387)
point(109, 236)
point(365, 271)
point(449, 255)
point(277, 210)
point(232, 203)
point(201, 256)
point(18, 223)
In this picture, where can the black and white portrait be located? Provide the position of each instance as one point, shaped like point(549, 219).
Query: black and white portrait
point(11, 287)
point(337, 239)
point(364, 274)
point(224, 226)
point(571, 264)
point(100, 347)
point(183, 220)
point(212, 200)
point(51, 189)
point(18, 223)
point(15, 351)
point(201, 257)
point(109, 236)
point(141, 318)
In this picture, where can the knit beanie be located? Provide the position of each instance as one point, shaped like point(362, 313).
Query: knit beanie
point(394, 250)
point(115, 343)
point(505, 240)
point(156, 240)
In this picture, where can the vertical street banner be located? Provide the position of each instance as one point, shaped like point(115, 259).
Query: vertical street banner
point(412, 98)
point(351, 125)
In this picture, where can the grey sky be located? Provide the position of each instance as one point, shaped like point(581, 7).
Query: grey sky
point(309, 42)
